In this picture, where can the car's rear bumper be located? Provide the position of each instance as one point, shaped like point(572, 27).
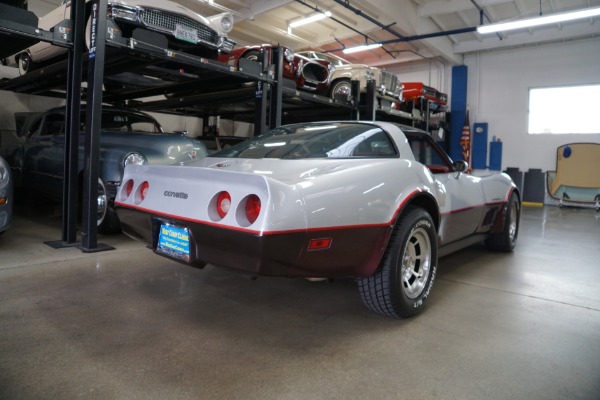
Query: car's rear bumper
point(353, 251)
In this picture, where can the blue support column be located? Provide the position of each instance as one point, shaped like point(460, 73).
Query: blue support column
point(496, 156)
point(458, 107)
point(479, 147)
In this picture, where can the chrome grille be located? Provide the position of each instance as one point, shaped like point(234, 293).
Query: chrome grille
point(166, 21)
point(390, 81)
point(429, 91)
point(228, 45)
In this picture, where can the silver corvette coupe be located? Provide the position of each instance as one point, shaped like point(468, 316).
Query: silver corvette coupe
point(374, 201)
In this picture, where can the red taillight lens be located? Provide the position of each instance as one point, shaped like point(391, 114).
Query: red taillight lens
point(252, 208)
point(144, 190)
point(319, 244)
point(223, 204)
point(129, 187)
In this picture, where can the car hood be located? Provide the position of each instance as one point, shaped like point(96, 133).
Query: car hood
point(348, 67)
point(157, 148)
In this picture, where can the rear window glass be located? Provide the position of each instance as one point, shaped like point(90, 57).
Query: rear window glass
point(316, 140)
point(126, 122)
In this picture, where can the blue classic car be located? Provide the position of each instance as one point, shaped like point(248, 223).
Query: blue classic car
point(127, 137)
point(6, 196)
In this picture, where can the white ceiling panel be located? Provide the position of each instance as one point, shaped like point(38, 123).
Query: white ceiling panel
point(397, 23)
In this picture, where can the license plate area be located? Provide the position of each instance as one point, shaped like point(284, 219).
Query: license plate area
point(174, 241)
point(186, 33)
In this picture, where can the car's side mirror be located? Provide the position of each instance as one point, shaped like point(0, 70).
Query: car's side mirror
point(460, 166)
point(181, 133)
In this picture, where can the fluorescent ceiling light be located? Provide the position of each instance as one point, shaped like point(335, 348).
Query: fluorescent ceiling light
point(315, 17)
point(362, 48)
point(531, 22)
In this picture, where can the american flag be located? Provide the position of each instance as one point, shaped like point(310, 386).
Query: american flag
point(465, 140)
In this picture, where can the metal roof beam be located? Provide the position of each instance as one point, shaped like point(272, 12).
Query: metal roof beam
point(523, 39)
point(442, 7)
point(413, 28)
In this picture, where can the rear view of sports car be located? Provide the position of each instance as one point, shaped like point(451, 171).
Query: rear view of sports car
point(373, 201)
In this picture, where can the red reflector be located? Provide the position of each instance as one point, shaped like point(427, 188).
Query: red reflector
point(252, 208)
point(320, 244)
point(144, 190)
point(129, 187)
point(223, 204)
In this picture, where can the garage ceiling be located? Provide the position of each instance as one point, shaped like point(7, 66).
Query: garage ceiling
point(266, 21)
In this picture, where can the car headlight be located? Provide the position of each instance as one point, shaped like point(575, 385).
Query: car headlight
point(134, 159)
point(300, 67)
point(289, 55)
point(227, 23)
point(123, 12)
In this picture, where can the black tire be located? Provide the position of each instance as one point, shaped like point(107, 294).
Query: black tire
point(341, 88)
point(506, 240)
point(400, 286)
point(25, 63)
point(252, 55)
point(110, 224)
point(108, 221)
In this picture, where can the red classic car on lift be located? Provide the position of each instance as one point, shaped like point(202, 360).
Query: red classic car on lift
point(308, 75)
point(420, 96)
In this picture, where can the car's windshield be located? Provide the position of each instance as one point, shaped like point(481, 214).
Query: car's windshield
point(316, 140)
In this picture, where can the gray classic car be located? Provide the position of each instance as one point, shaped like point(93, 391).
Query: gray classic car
point(127, 137)
point(6, 196)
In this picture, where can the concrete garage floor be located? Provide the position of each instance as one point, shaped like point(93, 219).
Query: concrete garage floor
point(126, 324)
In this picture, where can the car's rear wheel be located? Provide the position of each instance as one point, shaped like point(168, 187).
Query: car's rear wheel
point(25, 63)
point(401, 284)
point(507, 239)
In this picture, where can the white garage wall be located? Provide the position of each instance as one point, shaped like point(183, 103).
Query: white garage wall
point(172, 123)
point(12, 103)
point(498, 90)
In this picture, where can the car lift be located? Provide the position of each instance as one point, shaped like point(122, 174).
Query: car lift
point(249, 91)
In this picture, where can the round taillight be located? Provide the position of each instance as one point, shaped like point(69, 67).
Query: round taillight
point(144, 190)
point(223, 204)
point(252, 208)
point(129, 187)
